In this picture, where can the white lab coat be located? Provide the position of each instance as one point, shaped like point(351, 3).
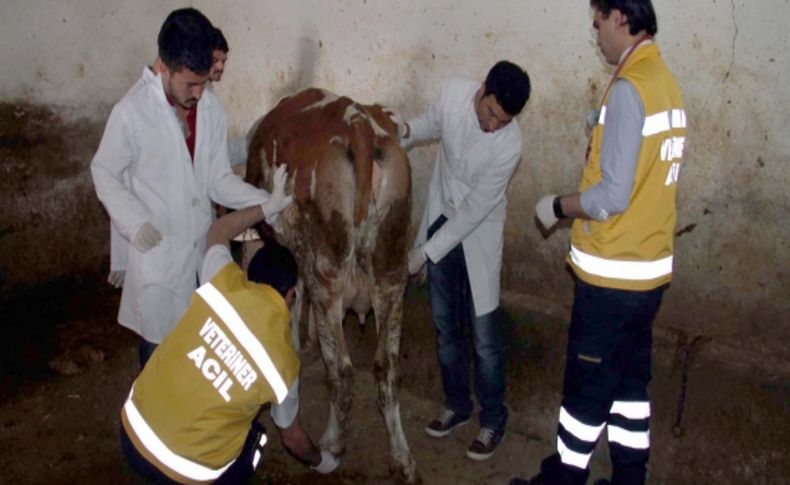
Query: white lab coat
point(470, 177)
point(143, 173)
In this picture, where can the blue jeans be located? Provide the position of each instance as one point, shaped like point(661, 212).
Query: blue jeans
point(453, 313)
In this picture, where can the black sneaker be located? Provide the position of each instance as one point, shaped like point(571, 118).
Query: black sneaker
point(484, 445)
point(447, 421)
point(536, 480)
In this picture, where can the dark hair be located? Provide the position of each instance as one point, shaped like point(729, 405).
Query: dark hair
point(510, 86)
point(274, 265)
point(640, 13)
point(220, 43)
point(186, 40)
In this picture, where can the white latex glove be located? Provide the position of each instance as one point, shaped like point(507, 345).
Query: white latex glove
point(417, 259)
point(403, 127)
point(147, 237)
point(277, 200)
point(328, 463)
point(545, 211)
point(115, 278)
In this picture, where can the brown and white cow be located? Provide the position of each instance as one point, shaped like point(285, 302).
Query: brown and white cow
point(347, 227)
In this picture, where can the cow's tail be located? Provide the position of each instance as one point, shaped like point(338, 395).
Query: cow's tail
point(360, 153)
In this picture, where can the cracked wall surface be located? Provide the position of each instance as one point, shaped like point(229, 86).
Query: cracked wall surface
point(72, 60)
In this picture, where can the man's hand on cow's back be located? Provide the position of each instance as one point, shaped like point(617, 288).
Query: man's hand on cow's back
point(403, 127)
point(278, 200)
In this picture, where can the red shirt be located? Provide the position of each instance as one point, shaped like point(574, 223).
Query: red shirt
point(192, 125)
point(191, 117)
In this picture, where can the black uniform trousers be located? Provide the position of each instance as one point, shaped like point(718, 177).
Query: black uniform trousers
point(607, 371)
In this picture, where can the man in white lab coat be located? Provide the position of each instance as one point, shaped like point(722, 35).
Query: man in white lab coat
point(460, 238)
point(162, 160)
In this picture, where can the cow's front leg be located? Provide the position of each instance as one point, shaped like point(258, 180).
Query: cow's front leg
point(388, 306)
point(338, 368)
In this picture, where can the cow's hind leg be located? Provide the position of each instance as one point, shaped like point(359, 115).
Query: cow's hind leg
point(329, 324)
point(388, 307)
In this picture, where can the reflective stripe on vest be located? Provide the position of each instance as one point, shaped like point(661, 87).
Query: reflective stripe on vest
point(621, 269)
point(156, 447)
point(236, 325)
point(656, 123)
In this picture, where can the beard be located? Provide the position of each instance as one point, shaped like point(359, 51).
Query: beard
point(186, 104)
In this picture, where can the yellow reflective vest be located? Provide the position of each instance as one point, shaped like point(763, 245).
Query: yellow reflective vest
point(633, 250)
point(190, 410)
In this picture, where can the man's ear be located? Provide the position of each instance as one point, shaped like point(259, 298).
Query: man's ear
point(164, 71)
point(621, 18)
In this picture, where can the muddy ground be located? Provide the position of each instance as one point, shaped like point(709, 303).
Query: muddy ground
point(66, 366)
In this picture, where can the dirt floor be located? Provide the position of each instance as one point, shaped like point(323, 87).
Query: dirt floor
point(66, 367)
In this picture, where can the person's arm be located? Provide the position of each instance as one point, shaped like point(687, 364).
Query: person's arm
point(298, 443)
point(109, 170)
point(225, 187)
point(622, 140)
point(229, 190)
point(224, 229)
point(295, 439)
point(428, 125)
point(487, 193)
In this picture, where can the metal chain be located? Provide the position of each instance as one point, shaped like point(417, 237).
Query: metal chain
point(685, 353)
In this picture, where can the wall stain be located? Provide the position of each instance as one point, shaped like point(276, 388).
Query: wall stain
point(52, 224)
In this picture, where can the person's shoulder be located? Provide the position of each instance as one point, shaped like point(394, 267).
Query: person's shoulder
point(141, 94)
point(456, 89)
point(509, 140)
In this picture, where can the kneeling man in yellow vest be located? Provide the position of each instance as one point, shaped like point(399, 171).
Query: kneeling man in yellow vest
point(191, 415)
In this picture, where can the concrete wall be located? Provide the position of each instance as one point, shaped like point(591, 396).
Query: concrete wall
point(68, 61)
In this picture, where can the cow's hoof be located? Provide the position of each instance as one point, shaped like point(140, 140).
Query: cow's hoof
point(407, 475)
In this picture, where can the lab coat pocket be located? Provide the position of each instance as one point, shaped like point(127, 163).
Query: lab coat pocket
point(156, 264)
point(159, 307)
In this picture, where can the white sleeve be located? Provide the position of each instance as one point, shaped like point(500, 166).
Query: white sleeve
point(217, 257)
point(109, 172)
point(487, 193)
point(428, 125)
point(283, 414)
